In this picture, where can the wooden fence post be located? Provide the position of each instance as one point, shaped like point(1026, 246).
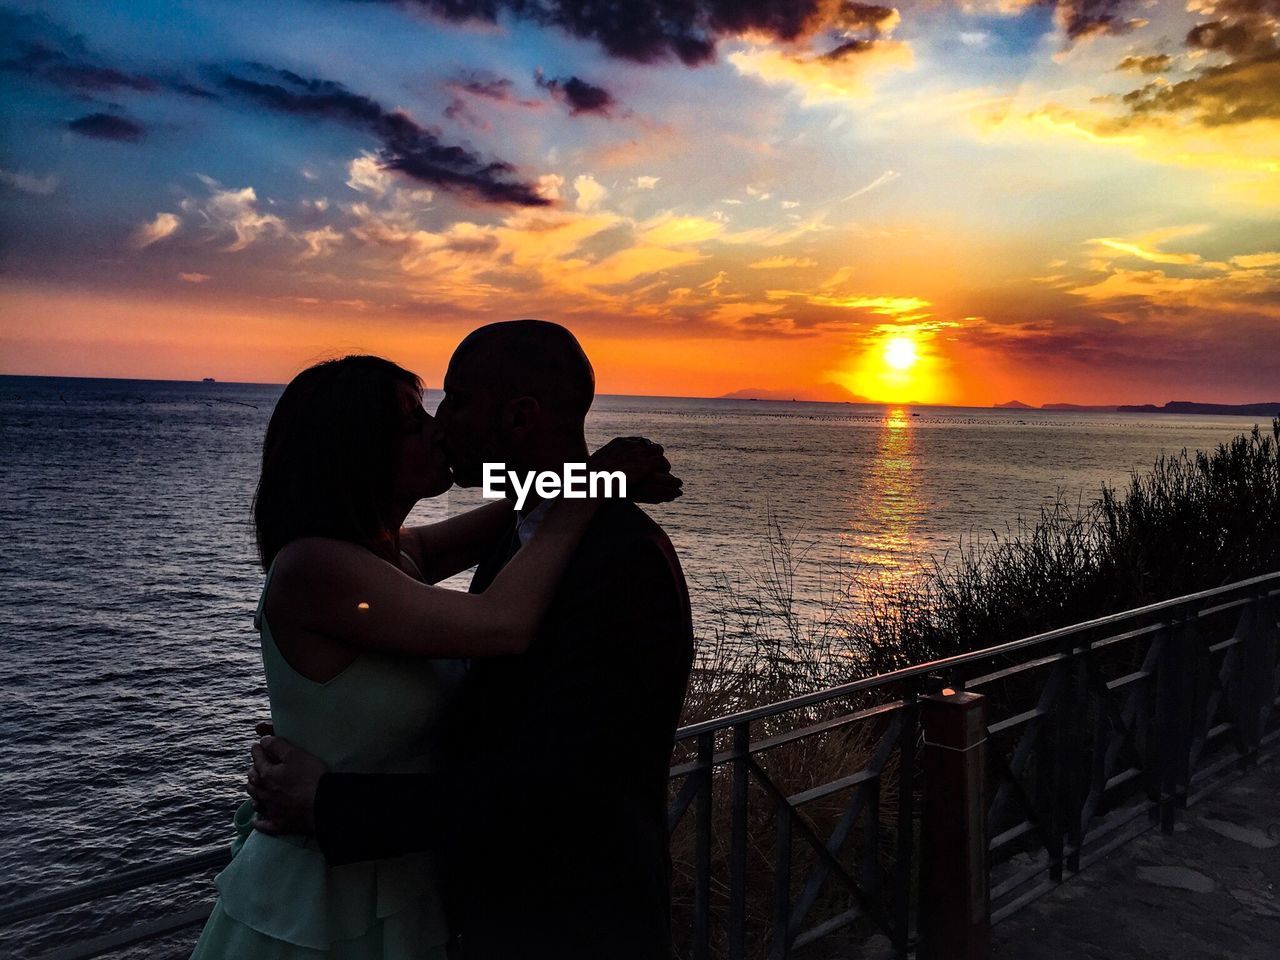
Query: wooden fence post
point(955, 895)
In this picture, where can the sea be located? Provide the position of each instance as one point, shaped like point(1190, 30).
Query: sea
point(130, 674)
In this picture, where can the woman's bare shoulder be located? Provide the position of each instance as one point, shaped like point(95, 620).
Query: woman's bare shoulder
point(307, 557)
point(302, 574)
point(308, 569)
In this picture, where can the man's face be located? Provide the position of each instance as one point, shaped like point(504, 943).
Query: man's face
point(470, 417)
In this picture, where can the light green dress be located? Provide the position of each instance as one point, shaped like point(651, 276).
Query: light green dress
point(278, 899)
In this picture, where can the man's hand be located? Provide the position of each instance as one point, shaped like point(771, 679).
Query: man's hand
point(648, 472)
point(282, 784)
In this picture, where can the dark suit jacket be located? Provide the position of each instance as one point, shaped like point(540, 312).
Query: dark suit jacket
point(553, 811)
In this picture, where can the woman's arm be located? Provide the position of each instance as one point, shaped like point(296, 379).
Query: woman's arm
point(343, 591)
point(450, 546)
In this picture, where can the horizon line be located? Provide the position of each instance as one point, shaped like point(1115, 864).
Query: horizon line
point(860, 402)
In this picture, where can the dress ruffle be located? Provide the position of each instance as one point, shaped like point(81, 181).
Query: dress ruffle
point(327, 905)
point(397, 938)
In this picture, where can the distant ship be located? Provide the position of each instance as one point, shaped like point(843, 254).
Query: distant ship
point(208, 380)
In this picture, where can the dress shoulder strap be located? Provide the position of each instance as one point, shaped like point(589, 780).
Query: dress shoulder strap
point(413, 563)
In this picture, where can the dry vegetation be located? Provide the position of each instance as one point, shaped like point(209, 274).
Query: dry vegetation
point(1194, 521)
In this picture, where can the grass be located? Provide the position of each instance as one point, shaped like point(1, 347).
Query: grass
point(1193, 521)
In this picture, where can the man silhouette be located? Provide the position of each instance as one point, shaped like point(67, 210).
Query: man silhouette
point(552, 812)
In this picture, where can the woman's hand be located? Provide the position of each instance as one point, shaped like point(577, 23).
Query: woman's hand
point(648, 472)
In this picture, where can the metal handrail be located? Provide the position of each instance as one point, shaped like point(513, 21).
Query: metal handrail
point(117, 883)
point(958, 660)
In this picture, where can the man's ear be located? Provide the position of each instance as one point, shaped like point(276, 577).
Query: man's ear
point(521, 416)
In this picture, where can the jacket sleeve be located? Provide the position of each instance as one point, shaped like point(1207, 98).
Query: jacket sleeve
point(367, 816)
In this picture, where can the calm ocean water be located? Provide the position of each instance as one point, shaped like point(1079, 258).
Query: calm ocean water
point(129, 671)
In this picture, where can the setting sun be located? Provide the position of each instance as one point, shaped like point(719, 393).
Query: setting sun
point(900, 353)
point(897, 364)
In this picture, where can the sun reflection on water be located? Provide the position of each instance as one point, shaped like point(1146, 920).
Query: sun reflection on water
point(888, 548)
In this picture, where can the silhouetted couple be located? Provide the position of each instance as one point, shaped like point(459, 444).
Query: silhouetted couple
point(479, 775)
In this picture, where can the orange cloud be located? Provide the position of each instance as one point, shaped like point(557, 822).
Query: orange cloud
point(783, 263)
point(162, 226)
point(840, 76)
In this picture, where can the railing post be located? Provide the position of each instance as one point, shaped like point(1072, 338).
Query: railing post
point(1052, 765)
point(738, 844)
point(1159, 733)
point(1175, 693)
point(780, 947)
point(1253, 682)
point(1075, 707)
point(702, 852)
point(1193, 678)
point(903, 868)
point(955, 897)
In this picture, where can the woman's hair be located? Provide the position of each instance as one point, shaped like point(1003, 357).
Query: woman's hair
point(328, 461)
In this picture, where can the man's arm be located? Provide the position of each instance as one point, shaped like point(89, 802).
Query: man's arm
point(354, 816)
point(367, 816)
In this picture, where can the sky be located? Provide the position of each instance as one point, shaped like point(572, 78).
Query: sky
point(966, 203)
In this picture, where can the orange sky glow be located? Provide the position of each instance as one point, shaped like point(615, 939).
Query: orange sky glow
point(933, 203)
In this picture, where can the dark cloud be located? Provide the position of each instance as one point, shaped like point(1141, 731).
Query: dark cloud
point(1244, 29)
point(490, 86)
point(1245, 88)
point(647, 31)
point(1160, 344)
point(57, 68)
point(850, 48)
point(852, 16)
point(107, 126)
point(406, 146)
point(1236, 39)
point(1156, 63)
point(578, 95)
point(482, 85)
point(39, 49)
point(687, 30)
point(1216, 96)
point(179, 85)
point(1080, 19)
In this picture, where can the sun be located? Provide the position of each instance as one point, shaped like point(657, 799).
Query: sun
point(900, 364)
point(900, 353)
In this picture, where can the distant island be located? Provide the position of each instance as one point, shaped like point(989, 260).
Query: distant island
point(1173, 406)
point(1080, 407)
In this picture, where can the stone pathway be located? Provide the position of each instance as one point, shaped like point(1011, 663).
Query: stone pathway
point(1211, 891)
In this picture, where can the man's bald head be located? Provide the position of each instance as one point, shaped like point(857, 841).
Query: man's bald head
point(529, 358)
point(518, 393)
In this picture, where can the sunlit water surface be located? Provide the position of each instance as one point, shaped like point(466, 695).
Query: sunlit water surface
point(130, 675)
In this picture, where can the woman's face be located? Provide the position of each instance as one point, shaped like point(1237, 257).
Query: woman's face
point(422, 469)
